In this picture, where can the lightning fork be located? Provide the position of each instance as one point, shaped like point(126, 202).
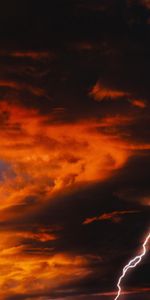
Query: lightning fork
point(132, 264)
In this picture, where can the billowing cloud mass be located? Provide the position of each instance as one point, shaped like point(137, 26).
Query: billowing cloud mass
point(74, 148)
point(45, 157)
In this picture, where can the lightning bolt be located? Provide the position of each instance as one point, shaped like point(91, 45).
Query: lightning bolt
point(132, 264)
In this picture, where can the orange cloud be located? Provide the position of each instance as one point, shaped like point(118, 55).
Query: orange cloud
point(20, 274)
point(42, 159)
point(45, 158)
point(49, 158)
point(115, 216)
point(25, 270)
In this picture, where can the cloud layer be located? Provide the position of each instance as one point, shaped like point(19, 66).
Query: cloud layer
point(74, 148)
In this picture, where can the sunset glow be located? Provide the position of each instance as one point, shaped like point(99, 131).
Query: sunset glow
point(74, 148)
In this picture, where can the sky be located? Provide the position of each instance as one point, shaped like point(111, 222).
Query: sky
point(74, 148)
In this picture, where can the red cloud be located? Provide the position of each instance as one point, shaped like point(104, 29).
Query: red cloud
point(99, 92)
